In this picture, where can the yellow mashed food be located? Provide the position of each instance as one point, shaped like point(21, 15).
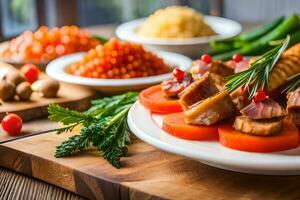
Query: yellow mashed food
point(175, 22)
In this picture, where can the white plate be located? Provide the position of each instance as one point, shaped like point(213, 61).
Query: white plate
point(192, 47)
point(56, 70)
point(146, 126)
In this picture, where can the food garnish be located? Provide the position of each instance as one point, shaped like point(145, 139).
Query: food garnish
point(294, 83)
point(175, 22)
point(103, 126)
point(237, 58)
point(46, 44)
point(178, 74)
point(12, 124)
point(117, 59)
point(206, 58)
point(30, 72)
point(257, 76)
point(155, 100)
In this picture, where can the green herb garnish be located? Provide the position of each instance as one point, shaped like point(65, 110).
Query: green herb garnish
point(257, 76)
point(104, 126)
point(294, 83)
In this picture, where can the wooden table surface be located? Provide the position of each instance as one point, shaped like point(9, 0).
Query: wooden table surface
point(146, 173)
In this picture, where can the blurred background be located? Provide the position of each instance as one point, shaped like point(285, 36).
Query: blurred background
point(20, 15)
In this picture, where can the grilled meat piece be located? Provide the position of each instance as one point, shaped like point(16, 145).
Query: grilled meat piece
point(239, 98)
point(221, 68)
point(266, 109)
point(210, 110)
point(198, 91)
point(172, 87)
point(293, 106)
point(257, 127)
point(287, 66)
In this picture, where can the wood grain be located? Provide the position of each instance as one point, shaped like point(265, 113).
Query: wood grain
point(17, 186)
point(146, 173)
point(71, 96)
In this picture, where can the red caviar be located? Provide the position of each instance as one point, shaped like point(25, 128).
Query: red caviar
point(118, 59)
point(46, 44)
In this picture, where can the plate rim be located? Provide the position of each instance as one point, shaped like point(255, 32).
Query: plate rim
point(266, 167)
point(130, 36)
point(55, 69)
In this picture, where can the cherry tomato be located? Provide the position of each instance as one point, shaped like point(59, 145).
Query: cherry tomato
point(259, 96)
point(206, 58)
point(12, 124)
point(178, 74)
point(30, 72)
point(237, 58)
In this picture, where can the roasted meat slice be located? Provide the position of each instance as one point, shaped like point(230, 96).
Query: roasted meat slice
point(198, 91)
point(293, 106)
point(172, 87)
point(210, 110)
point(221, 68)
point(239, 98)
point(266, 109)
point(257, 127)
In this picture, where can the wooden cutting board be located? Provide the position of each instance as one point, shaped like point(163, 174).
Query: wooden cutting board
point(146, 173)
point(72, 96)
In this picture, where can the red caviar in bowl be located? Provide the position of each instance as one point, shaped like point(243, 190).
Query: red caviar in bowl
point(48, 43)
point(118, 59)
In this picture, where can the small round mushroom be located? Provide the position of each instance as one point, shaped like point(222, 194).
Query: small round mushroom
point(15, 77)
point(24, 91)
point(7, 90)
point(46, 87)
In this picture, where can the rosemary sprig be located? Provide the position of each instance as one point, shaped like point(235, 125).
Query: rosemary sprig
point(294, 83)
point(257, 76)
point(104, 127)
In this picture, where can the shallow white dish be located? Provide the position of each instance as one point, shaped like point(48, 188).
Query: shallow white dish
point(146, 126)
point(192, 47)
point(56, 70)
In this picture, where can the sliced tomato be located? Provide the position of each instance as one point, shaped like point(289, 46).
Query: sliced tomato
point(288, 138)
point(154, 99)
point(174, 124)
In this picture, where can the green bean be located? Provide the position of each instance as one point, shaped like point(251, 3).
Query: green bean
point(260, 31)
point(262, 44)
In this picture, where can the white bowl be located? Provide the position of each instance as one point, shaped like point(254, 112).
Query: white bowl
point(56, 70)
point(192, 47)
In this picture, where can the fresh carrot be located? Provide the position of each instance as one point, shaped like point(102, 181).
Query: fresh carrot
point(288, 138)
point(154, 99)
point(174, 124)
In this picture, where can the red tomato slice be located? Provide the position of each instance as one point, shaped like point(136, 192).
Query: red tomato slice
point(174, 124)
point(154, 99)
point(288, 138)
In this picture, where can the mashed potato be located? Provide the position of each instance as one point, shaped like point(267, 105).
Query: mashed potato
point(175, 22)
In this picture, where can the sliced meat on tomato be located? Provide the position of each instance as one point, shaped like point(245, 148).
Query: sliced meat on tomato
point(174, 124)
point(288, 138)
point(154, 99)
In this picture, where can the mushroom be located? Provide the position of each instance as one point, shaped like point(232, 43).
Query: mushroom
point(46, 87)
point(24, 90)
point(7, 89)
point(15, 77)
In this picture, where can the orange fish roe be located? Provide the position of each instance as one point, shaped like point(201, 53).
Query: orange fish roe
point(46, 44)
point(118, 59)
